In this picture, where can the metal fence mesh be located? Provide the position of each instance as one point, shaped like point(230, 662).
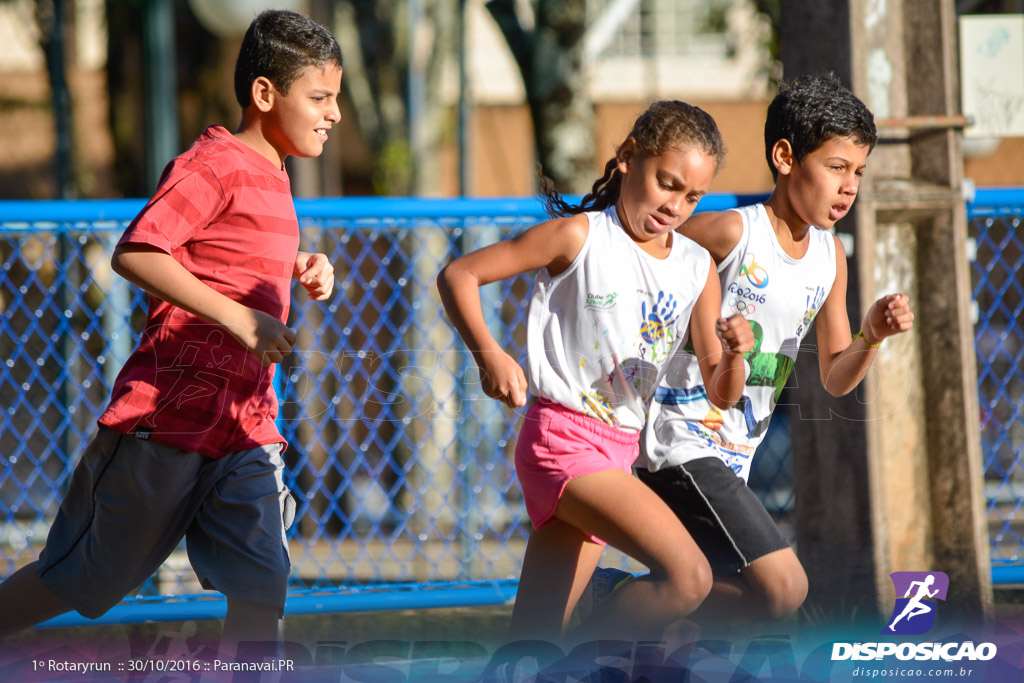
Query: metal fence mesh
point(402, 468)
point(997, 241)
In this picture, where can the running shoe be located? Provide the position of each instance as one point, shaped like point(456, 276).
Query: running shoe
point(601, 584)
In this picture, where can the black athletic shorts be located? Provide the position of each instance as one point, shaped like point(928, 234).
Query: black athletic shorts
point(723, 515)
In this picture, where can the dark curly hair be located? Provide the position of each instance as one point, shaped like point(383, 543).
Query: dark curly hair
point(812, 110)
point(668, 124)
point(278, 45)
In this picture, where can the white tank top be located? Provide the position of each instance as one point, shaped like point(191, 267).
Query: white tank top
point(599, 333)
point(780, 296)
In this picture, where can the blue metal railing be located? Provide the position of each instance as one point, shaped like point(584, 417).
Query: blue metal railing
point(404, 471)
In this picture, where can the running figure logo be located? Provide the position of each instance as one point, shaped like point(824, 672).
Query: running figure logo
point(914, 613)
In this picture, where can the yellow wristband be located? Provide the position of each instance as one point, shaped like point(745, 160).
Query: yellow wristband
point(860, 333)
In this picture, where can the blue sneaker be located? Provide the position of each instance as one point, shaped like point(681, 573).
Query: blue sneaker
point(601, 584)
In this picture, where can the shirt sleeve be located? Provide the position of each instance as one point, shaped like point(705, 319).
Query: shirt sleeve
point(187, 200)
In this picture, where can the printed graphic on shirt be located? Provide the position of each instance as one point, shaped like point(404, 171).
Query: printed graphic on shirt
point(755, 427)
point(656, 328)
point(653, 342)
point(595, 404)
point(744, 300)
point(814, 302)
point(767, 369)
point(713, 419)
point(736, 456)
point(604, 301)
point(678, 397)
point(756, 275)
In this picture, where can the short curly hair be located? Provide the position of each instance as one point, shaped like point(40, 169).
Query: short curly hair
point(811, 110)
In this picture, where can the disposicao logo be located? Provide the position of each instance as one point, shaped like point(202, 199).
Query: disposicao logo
point(914, 613)
point(917, 596)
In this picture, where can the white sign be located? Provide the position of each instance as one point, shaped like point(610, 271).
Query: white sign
point(992, 74)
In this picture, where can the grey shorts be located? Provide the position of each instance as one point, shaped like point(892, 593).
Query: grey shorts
point(130, 502)
point(725, 518)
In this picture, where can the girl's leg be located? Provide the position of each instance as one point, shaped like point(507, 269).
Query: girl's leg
point(558, 563)
point(624, 512)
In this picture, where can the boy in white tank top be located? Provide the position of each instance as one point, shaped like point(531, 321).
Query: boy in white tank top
point(782, 269)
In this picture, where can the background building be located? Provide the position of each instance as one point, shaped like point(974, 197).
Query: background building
point(421, 117)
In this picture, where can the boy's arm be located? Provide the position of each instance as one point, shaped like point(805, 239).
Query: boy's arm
point(716, 231)
point(719, 344)
point(552, 244)
point(157, 272)
point(315, 273)
point(844, 360)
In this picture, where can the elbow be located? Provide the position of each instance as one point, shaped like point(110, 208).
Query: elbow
point(117, 263)
point(834, 389)
point(443, 280)
point(722, 402)
point(451, 278)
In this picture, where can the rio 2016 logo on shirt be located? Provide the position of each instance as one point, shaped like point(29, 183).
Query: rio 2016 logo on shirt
point(914, 612)
point(755, 274)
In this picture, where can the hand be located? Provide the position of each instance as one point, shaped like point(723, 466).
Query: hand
point(735, 333)
point(503, 379)
point(663, 313)
point(888, 316)
point(316, 274)
point(263, 335)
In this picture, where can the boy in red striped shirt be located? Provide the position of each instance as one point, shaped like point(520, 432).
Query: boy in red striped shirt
point(188, 446)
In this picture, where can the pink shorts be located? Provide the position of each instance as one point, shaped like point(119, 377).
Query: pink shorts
point(557, 444)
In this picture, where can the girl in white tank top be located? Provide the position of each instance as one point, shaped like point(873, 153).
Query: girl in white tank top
point(617, 293)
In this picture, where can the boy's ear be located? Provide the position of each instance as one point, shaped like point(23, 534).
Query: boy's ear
point(782, 156)
point(262, 93)
point(624, 154)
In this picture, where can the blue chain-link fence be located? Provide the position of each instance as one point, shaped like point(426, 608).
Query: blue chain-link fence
point(997, 277)
point(402, 468)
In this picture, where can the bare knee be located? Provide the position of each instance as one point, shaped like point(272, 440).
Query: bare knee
point(689, 585)
point(784, 596)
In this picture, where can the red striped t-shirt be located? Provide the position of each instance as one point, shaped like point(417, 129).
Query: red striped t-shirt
point(225, 212)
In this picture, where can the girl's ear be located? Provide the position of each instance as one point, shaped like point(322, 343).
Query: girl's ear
point(624, 154)
point(261, 94)
point(782, 156)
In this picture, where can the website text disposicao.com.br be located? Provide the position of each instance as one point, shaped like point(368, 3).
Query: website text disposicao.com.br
point(950, 660)
point(908, 672)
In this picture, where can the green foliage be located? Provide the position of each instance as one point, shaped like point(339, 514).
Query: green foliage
point(772, 9)
point(715, 19)
point(392, 174)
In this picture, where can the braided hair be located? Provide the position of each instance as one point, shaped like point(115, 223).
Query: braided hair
point(665, 125)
